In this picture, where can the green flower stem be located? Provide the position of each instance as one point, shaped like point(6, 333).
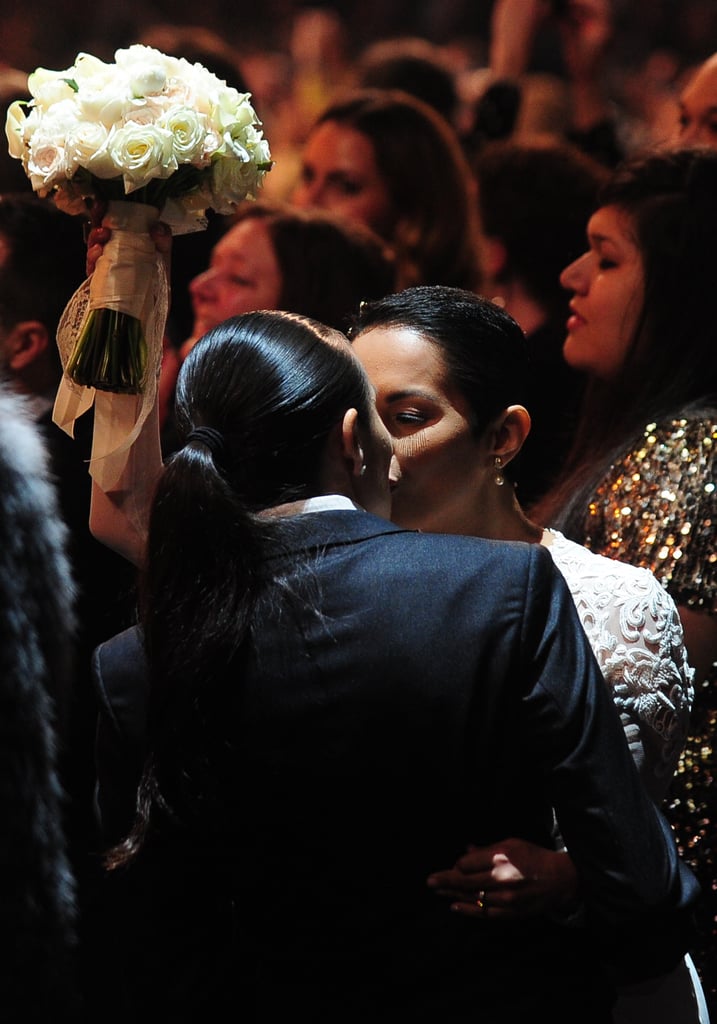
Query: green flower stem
point(110, 353)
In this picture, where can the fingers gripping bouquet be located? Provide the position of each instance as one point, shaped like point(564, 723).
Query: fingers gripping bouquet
point(150, 137)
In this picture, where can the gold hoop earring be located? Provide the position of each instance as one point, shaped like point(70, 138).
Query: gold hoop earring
point(499, 478)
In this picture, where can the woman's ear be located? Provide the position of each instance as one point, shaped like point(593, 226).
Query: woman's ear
point(510, 432)
point(25, 343)
point(351, 448)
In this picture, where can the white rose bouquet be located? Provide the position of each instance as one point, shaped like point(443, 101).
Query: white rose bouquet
point(150, 137)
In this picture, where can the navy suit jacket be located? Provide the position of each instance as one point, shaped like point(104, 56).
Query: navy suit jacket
point(422, 693)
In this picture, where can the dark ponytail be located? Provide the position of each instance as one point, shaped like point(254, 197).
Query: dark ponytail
point(256, 400)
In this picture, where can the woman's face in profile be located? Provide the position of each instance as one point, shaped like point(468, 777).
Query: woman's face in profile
point(607, 283)
point(376, 487)
point(444, 468)
point(243, 276)
point(697, 124)
point(339, 172)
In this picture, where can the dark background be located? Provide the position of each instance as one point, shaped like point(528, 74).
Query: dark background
point(50, 34)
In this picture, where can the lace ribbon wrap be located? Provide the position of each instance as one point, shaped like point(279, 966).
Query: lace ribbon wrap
point(130, 277)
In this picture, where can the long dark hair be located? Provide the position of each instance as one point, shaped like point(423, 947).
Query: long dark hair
point(256, 399)
point(670, 368)
point(328, 264)
point(429, 179)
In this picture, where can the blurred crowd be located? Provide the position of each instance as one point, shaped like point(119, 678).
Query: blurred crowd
point(295, 56)
point(439, 151)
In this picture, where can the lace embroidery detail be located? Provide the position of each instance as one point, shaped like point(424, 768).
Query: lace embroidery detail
point(636, 634)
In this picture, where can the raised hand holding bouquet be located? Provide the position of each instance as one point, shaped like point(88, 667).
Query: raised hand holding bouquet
point(148, 138)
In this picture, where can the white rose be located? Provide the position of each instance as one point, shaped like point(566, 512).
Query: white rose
point(233, 108)
point(45, 166)
point(101, 163)
point(85, 145)
point(147, 81)
point(141, 152)
point(138, 53)
point(143, 112)
point(259, 147)
point(233, 181)
point(44, 152)
point(146, 69)
point(234, 146)
point(178, 93)
point(15, 129)
point(213, 143)
point(28, 129)
point(187, 129)
point(105, 104)
point(247, 144)
point(201, 86)
point(49, 87)
point(89, 70)
point(59, 120)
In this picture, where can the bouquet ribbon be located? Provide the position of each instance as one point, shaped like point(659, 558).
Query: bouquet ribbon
point(130, 278)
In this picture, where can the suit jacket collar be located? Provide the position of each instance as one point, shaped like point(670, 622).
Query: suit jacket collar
point(332, 528)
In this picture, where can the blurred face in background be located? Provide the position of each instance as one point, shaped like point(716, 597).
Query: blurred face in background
point(243, 276)
point(607, 283)
point(698, 108)
point(339, 172)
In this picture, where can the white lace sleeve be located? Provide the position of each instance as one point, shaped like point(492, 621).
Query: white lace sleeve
point(635, 631)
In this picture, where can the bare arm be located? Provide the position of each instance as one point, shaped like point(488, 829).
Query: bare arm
point(120, 518)
point(514, 24)
point(586, 31)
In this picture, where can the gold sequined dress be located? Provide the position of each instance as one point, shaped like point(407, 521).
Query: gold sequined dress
point(657, 508)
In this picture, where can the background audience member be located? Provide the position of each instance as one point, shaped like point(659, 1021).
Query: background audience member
point(697, 111)
point(388, 160)
point(450, 371)
point(318, 64)
point(639, 482)
point(274, 256)
point(412, 65)
point(37, 889)
point(585, 29)
point(42, 261)
point(277, 420)
point(534, 199)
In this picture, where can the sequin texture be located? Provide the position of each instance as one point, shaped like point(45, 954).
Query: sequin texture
point(657, 508)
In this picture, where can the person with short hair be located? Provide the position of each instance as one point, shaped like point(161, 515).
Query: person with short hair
point(335, 707)
point(451, 371)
